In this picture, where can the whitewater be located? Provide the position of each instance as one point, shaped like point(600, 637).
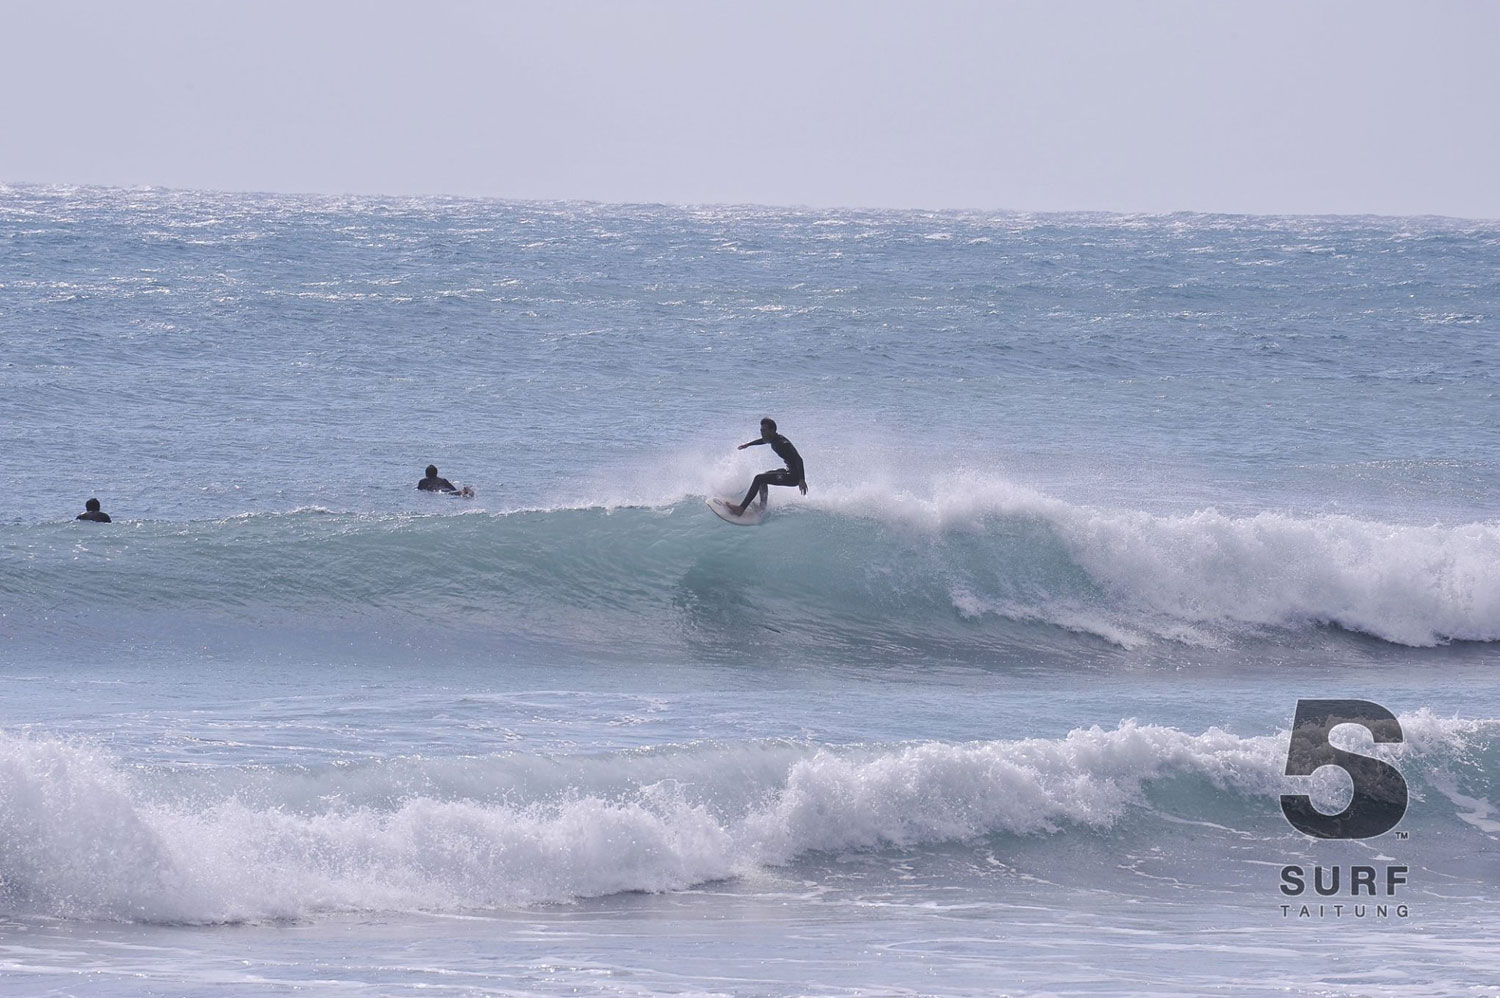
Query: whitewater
point(1003, 705)
point(88, 839)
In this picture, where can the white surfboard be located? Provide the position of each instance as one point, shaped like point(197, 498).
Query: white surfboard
point(748, 518)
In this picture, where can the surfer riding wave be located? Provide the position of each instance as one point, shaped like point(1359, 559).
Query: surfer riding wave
point(789, 476)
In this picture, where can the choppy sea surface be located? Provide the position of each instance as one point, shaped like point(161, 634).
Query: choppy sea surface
point(1001, 706)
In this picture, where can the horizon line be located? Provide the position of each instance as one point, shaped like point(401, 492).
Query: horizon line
point(6, 184)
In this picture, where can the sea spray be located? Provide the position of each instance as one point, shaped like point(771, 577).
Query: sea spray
point(83, 837)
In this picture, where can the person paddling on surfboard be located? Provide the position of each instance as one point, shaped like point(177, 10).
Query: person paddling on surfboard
point(91, 511)
point(791, 475)
point(432, 483)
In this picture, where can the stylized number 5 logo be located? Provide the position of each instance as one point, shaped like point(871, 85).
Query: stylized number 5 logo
point(1380, 796)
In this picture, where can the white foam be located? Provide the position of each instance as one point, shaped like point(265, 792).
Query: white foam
point(81, 836)
point(1195, 577)
point(1177, 575)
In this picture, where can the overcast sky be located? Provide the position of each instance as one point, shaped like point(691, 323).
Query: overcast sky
point(1214, 105)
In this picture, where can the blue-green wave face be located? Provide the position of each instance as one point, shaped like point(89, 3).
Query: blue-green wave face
point(988, 570)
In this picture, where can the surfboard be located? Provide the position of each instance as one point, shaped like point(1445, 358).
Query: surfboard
point(749, 518)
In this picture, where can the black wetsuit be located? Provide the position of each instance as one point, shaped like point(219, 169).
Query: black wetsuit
point(95, 516)
point(791, 475)
point(436, 485)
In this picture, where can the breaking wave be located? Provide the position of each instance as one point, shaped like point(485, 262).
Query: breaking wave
point(843, 572)
point(83, 835)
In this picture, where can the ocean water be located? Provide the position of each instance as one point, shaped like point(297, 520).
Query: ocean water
point(1001, 706)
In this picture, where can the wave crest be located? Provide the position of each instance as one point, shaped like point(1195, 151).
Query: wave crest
point(81, 839)
point(849, 571)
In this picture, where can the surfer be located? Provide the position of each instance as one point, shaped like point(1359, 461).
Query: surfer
point(93, 513)
point(791, 475)
point(432, 483)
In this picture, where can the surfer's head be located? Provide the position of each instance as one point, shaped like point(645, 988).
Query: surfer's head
point(768, 427)
point(432, 471)
point(92, 505)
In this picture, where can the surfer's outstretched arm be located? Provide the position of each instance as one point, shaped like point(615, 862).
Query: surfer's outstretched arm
point(751, 443)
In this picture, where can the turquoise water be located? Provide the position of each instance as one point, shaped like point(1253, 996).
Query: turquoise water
point(1000, 705)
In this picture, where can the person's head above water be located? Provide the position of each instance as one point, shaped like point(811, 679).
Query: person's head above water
point(432, 471)
point(767, 427)
point(93, 513)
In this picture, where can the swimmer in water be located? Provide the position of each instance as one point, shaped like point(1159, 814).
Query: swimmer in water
point(93, 513)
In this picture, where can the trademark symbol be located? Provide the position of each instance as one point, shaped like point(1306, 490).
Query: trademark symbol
point(1403, 836)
